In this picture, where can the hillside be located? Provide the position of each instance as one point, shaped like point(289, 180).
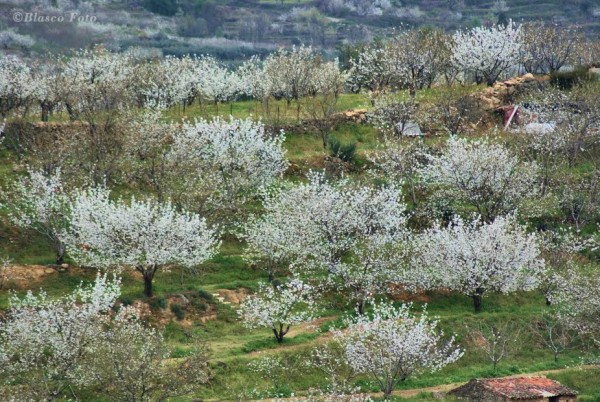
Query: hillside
point(232, 29)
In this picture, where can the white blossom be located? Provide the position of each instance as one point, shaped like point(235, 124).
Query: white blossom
point(478, 173)
point(392, 345)
point(228, 162)
point(142, 235)
point(39, 201)
point(15, 84)
point(478, 257)
point(354, 234)
point(46, 342)
point(279, 307)
point(487, 53)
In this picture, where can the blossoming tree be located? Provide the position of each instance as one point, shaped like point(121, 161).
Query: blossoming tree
point(39, 201)
point(279, 307)
point(482, 174)
point(392, 345)
point(226, 163)
point(142, 235)
point(356, 235)
point(45, 343)
point(56, 348)
point(487, 53)
point(478, 257)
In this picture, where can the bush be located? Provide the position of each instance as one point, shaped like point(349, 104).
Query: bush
point(345, 152)
point(199, 305)
point(180, 352)
point(158, 303)
point(162, 7)
point(126, 300)
point(178, 311)
point(205, 295)
point(568, 79)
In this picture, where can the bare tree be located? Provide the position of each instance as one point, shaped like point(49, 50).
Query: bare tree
point(496, 340)
point(553, 334)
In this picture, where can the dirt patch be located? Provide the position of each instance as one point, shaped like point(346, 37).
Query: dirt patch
point(233, 296)
point(161, 310)
point(25, 276)
point(399, 292)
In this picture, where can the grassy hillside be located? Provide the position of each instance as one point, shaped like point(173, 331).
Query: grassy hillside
point(221, 282)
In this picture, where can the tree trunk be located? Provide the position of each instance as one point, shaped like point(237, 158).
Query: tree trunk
point(271, 275)
point(60, 253)
point(278, 336)
point(477, 299)
point(45, 112)
point(281, 333)
point(148, 276)
point(360, 307)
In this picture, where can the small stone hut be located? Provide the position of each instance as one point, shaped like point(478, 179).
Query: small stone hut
point(530, 389)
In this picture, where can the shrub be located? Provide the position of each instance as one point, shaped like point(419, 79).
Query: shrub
point(162, 7)
point(345, 152)
point(126, 300)
point(568, 79)
point(205, 295)
point(178, 311)
point(199, 305)
point(158, 303)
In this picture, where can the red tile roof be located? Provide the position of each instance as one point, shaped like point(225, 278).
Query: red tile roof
point(526, 387)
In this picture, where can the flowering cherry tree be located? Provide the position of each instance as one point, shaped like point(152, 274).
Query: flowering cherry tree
point(478, 173)
point(170, 81)
point(290, 73)
point(392, 345)
point(46, 343)
point(216, 83)
point(94, 81)
point(15, 84)
point(560, 249)
point(353, 234)
point(228, 162)
point(488, 53)
point(578, 303)
point(478, 257)
point(54, 348)
point(145, 158)
point(252, 79)
point(279, 307)
point(39, 201)
point(142, 235)
point(412, 59)
point(547, 47)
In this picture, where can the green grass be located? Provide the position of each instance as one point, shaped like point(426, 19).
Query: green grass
point(272, 112)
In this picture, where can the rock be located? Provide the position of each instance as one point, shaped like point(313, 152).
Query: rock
point(184, 300)
point(538, 128)
point(412, 129)
point(65, 266)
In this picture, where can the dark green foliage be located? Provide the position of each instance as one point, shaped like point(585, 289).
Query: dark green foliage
point(568, 79)
point(205, 295)
point(158, 303)
point(126, 300)
point(178, 311)
point(345, 152)
point(162, 7)
point(199, 305)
